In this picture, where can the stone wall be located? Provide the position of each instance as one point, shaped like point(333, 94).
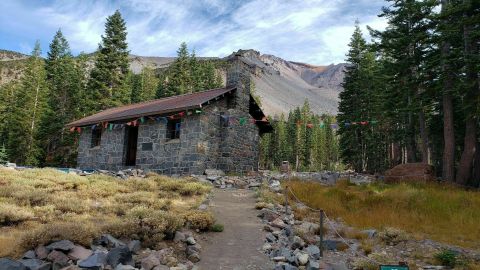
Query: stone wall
point(203, 143)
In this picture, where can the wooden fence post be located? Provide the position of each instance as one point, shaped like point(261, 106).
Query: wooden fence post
point(321, 233)
point(285, 192)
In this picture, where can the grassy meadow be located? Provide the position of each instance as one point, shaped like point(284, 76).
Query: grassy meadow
point(440, 212)
point(41, 205)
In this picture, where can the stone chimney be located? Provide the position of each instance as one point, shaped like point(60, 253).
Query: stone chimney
point(238, 75)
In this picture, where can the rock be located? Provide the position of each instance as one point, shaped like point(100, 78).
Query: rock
point(120, 255)
point(266, 247)
point(278, 223)
point(58, 257)
point(210, 172)
point(194, 257)
point(270, 237)
point(279, 259)
point(193, 248)
point(134, 246)
point(289, 267)
point(41, 252)
point(410, 172)
point(297, 242)
point(302, 258)
point(109, 241)
point(370, 233)
point(69, 267)
point(161, 267)
point(190, 240)
point(254, 184)
point(170, 261)
point(150, 262)
point(179, 237)
point(308, 228)
point(339, 266)
point(7, 264)
point(242, 184)
point(29, 255)
point(96, 261)
point(32, 264)
point(313, 265)
point(124, 267)
point(203, 207)
point(63, 245)
point(331, 244)
point(44, 266)
point(313, 251)
point(79, 253)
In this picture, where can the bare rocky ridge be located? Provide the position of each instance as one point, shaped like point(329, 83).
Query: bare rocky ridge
point(281, 85)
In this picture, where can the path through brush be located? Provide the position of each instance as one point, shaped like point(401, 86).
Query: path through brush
point(238, 247)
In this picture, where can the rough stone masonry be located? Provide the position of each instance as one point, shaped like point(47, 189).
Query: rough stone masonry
point(205, 142)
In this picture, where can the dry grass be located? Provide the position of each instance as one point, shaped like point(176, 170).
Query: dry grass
point(440, 212)
point(41, 205)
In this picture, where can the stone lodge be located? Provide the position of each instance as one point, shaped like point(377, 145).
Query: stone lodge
point(186, 134)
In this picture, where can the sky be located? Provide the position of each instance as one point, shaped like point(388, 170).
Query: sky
point(310, 31)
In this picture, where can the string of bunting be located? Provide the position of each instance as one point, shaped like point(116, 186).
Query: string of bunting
point(111, 126)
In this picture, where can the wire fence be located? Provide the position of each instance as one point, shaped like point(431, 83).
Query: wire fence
point(323, 216)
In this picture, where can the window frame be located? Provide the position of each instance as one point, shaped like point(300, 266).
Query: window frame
point(173, 129)
point(96, 137)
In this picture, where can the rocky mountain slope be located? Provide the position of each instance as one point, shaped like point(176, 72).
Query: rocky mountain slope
point(282, 85)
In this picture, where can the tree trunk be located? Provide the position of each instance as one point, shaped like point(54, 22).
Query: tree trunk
point(466, 161)
point(448, 165)
point(470, 140)
point(424, 137)
point(476, 167)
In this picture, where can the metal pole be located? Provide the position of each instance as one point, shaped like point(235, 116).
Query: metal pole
point(285, 192)
point(321, 233)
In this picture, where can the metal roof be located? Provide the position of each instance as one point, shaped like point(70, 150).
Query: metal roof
point(153, 107)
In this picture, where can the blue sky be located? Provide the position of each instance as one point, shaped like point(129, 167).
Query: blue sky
point(315, 32)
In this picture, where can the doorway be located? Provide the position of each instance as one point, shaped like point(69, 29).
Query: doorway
point(131, 145)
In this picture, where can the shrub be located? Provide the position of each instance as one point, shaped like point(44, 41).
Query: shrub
point(217, 227)
point(199, 220)
point(261, 205)
point(392, 236)
point(447, 258)
point(81, 233)
point(11, 214)
point(367, 246)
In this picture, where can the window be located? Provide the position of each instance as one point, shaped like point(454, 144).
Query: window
point(96, 136)
point(224, 120)
point(173, 129)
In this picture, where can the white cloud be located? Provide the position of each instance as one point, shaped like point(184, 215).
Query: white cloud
point(316, 31)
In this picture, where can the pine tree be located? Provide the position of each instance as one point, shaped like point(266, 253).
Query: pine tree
point(23, 144)
point(65, 85)
point(179, 80)
point(144, 86)
point(3, 155)
point(108, 86)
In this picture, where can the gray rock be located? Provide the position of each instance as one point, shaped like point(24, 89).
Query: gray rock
point(79, 253)
point(297, 243)
point(270, 237)
point(29, 255)
point(194, 257)
point(331, 244)
point(41, 252)
point(289, 267)
point(150, 262)
point(32, 264)
point(370, 233)
point(124, 267)
point(302, 258)
point(63, 245)
point(266, 247)
point(339, 266)
point(58, 257)
point(308, 228)
point(313, 265)
point(96, 261)
point(109, 241)
point(161, 267)
point(313, 251)
point(278, 223)
point(190, 240)
point(134, 246)
point(120, 255)
point(44, 266)
point(214, 172)
point(179, 237)
point(7, 264)
point(203, 207)
point(193, 249)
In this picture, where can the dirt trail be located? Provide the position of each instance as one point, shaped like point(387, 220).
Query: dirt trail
point(238, 247)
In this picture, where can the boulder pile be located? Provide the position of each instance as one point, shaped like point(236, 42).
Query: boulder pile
point(107, 252)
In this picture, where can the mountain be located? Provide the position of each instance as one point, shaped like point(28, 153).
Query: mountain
point(281, 85)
